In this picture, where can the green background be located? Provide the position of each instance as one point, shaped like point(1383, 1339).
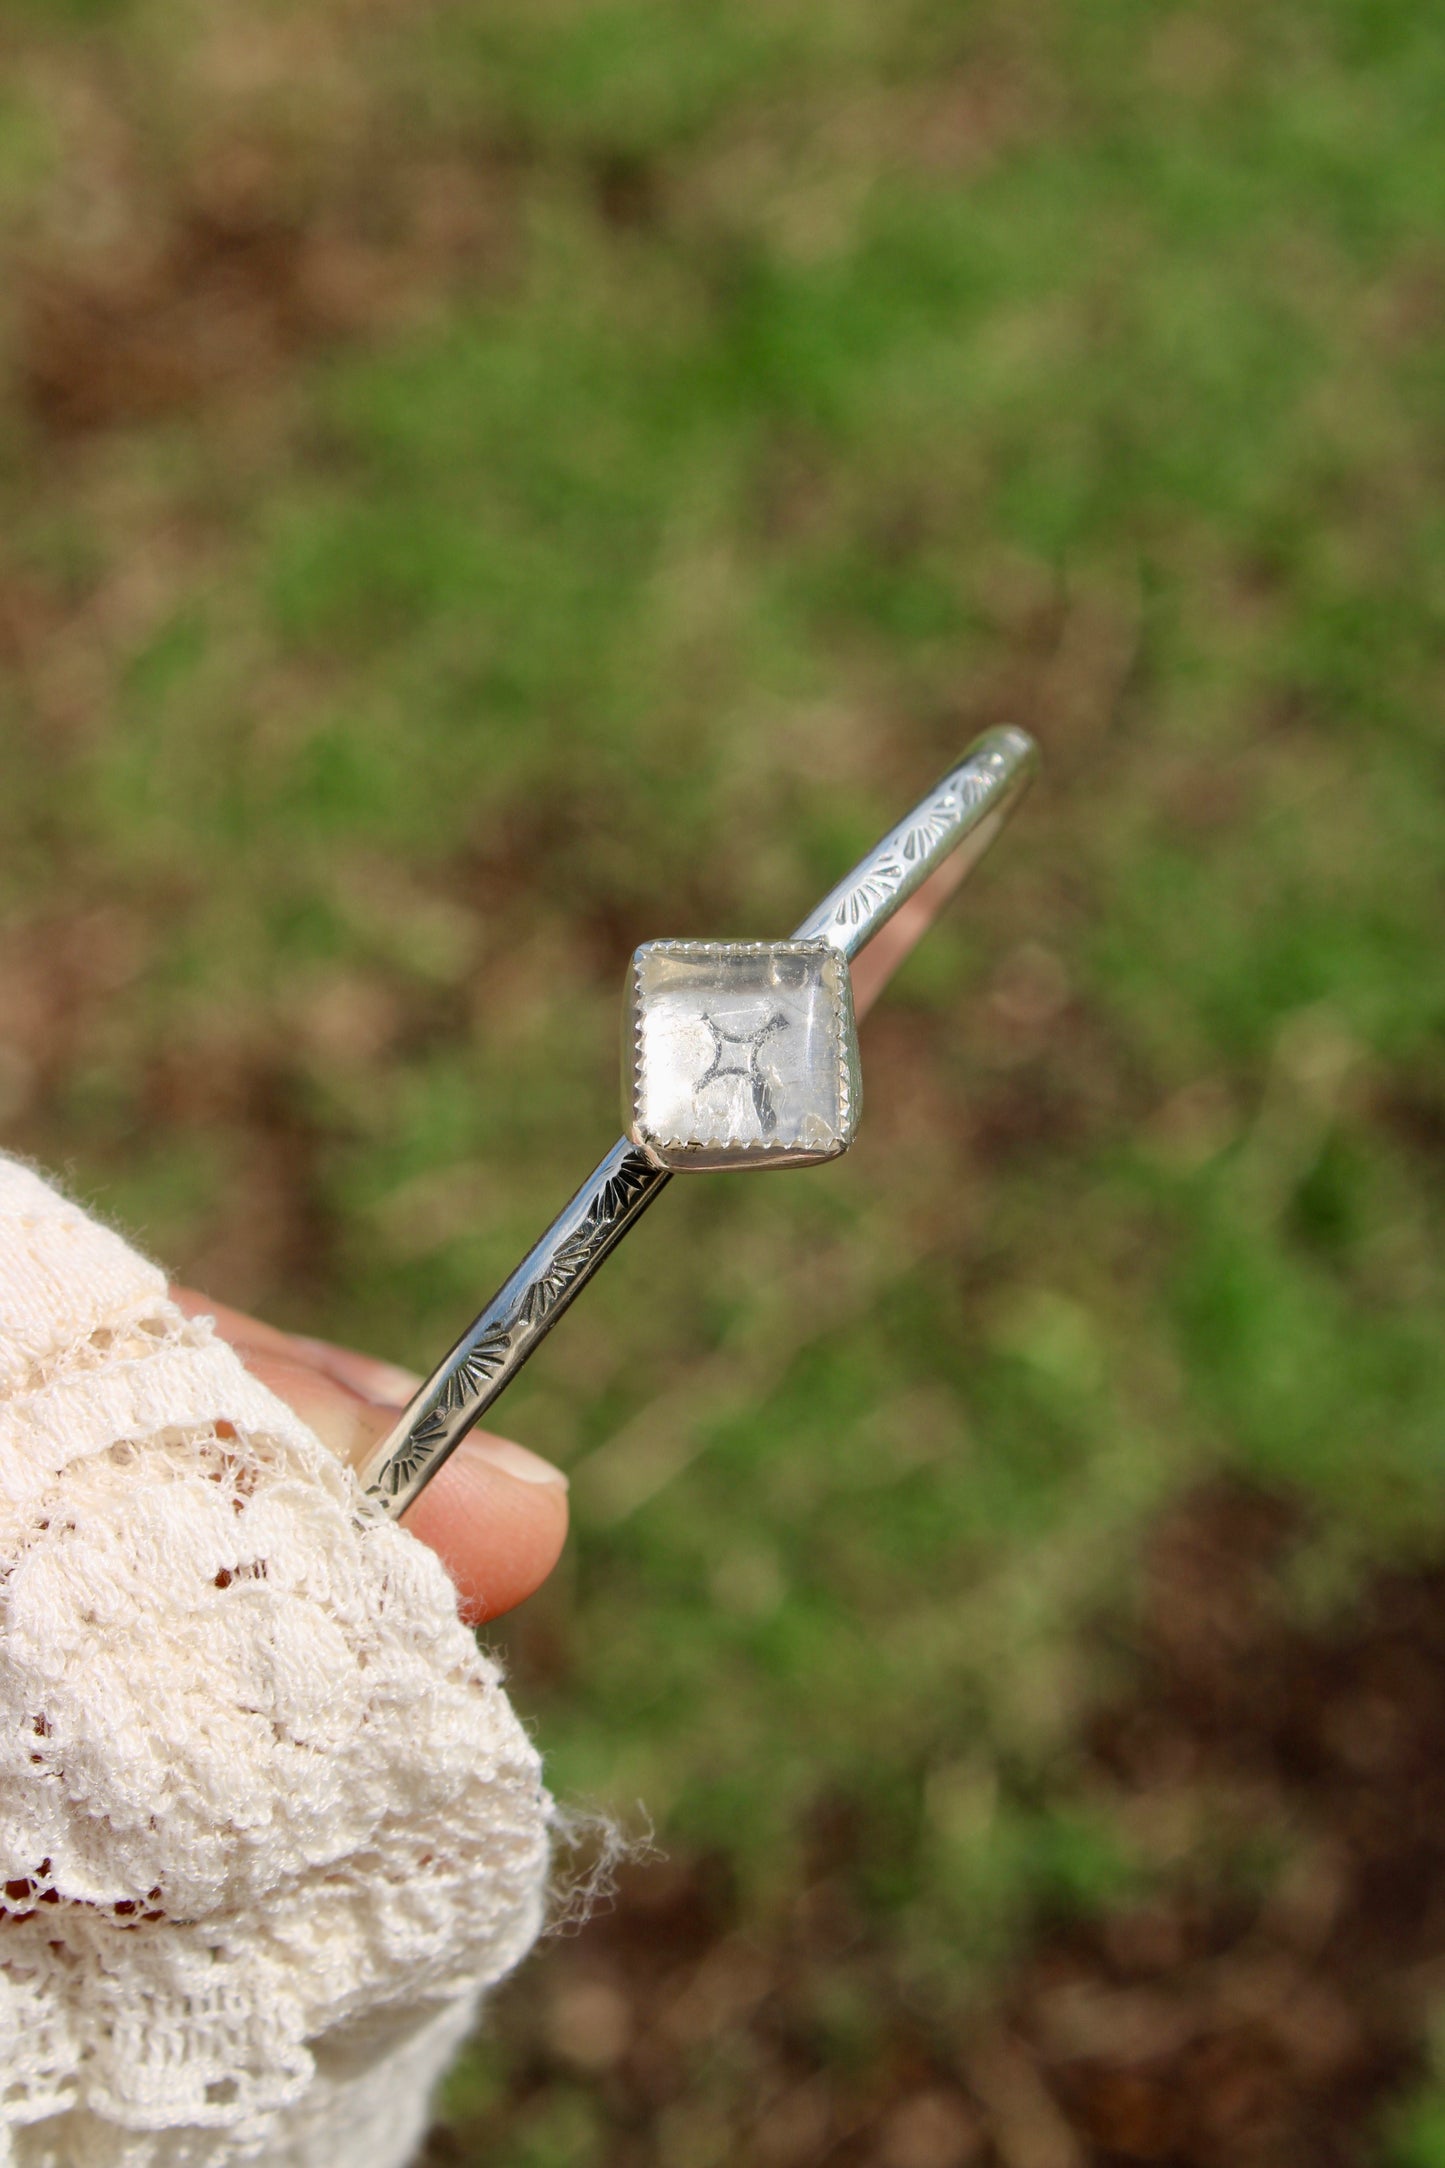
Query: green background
point(486, 485)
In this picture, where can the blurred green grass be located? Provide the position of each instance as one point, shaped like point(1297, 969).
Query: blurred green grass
point(831, 384)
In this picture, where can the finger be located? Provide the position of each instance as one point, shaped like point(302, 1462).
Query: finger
point(495, 1514)
point(876, 964)
point(386, 1384)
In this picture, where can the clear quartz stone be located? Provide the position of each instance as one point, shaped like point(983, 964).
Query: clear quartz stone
point(742, 1053)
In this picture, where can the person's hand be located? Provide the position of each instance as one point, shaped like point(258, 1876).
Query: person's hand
point(495, 1514)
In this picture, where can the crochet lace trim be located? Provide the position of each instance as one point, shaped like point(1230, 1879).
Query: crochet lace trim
point(259, 1789)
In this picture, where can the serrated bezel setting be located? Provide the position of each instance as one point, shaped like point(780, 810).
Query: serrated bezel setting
point(780, 1089)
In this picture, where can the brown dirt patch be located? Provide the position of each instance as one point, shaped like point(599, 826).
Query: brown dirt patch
point(220, 286)
point(209, 278)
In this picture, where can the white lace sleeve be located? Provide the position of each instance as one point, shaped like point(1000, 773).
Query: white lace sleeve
point(268, 1823)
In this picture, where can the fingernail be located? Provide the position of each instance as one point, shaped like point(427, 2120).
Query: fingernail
point(393, 1386)
point(515, 1460)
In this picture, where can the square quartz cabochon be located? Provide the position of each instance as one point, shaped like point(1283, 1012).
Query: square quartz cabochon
point(744, 1053)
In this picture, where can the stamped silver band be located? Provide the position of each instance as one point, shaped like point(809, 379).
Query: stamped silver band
point(965, 811)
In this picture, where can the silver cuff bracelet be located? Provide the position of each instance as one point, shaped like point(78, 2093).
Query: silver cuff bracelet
point(739, 1054)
